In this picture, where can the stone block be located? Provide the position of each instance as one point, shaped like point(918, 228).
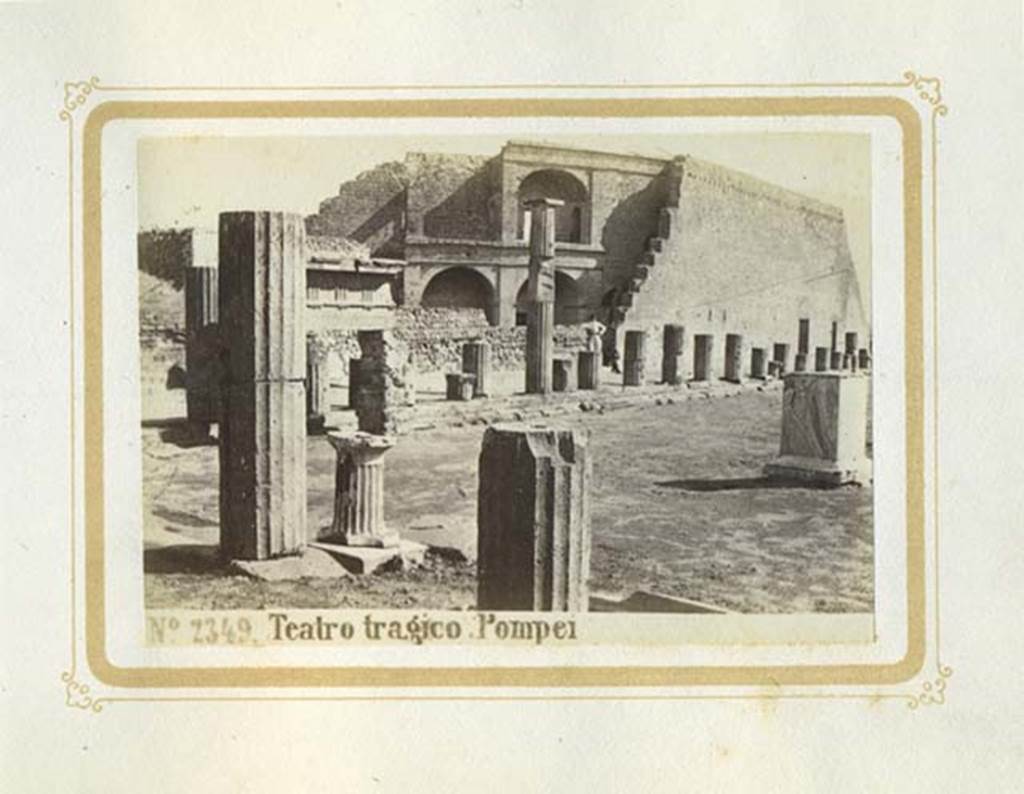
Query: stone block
point(780, 353)
point(703, 348)
point(824, 429)
point(533, 518)
point(563, 373)
point(757, 363)
point(476, 360)
point(634, 361)
point(733, 358)
point(368, 559)
point(459, 386)
point(672, 355)
point(588, 369)
point(263, 469)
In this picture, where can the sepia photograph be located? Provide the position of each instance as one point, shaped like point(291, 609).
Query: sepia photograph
point(591, 373)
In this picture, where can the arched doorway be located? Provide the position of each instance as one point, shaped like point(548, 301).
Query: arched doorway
point(569, 307)
point(571, 219)
point(460, 288)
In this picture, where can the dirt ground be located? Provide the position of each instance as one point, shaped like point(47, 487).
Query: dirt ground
point(679, 507)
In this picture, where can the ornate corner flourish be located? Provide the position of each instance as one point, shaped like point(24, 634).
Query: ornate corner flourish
point(933, 692)
point(75, 95)
point(929, 89)
point(77, 695)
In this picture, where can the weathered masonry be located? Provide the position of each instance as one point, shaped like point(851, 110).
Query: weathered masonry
point(436, 248)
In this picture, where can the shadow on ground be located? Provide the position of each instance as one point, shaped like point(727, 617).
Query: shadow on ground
point(183, 558)
point(743, 484)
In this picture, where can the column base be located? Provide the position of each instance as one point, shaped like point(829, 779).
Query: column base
point(825, 472)
point(366, 559)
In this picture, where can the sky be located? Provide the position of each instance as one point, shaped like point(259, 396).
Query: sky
point(187, 181)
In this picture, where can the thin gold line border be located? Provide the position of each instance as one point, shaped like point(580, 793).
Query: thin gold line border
point(772, 675)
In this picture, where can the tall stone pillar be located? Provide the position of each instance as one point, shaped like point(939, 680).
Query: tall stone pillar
point(540, 319)
point(262, 296)
point(824, 429)
point(757, 363)
point(703, 347)
point(202, 347)
point(533, 519)
point(476, 361)
point(821, 356)
point(803, 344)
point(359, 490)
point(634, 361)
point(672, 355)
point(733, 357)
point(589, 369)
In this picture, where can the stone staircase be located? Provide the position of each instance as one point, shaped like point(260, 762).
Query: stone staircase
point(652, 255)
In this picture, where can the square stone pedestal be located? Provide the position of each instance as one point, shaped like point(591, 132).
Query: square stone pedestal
point(824, 429)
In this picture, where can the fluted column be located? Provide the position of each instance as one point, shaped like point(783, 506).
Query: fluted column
point(359, 490)
point(262, 294)
point(533, 518)
point(202, 353)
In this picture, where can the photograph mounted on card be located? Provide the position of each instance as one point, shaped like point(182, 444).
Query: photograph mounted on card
point(582, 390)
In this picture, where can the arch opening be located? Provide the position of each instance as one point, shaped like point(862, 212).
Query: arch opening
point(571, 218)
point(569, 305)
point(460, 288)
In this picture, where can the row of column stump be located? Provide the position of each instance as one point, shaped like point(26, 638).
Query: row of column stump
point(534, 516)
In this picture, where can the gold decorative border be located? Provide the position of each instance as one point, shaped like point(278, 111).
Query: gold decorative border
point(78, 695)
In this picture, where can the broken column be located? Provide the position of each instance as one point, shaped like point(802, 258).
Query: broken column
point(459, 386)
point(821, 359)
point(633, 360)
point(703, 347)
point(563, 372)
point(835, 360)
point(800, 362)
point(476, 361)
point(359, 490)
point(588, 369)
point(672, 355)
point(824, 429)
point(863, 358)
point(780, 353)
point(733, 357)
point(533, 519)
point(262, 294)
point(202, 348)
point(316, 388)
point(353, 381)
point(540, 318)
point(385, 388)
point(757, 363)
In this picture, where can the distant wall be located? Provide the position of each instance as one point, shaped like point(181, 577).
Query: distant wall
point(748, 258)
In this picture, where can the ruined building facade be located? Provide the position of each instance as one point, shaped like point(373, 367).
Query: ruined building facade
point(436, 247)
